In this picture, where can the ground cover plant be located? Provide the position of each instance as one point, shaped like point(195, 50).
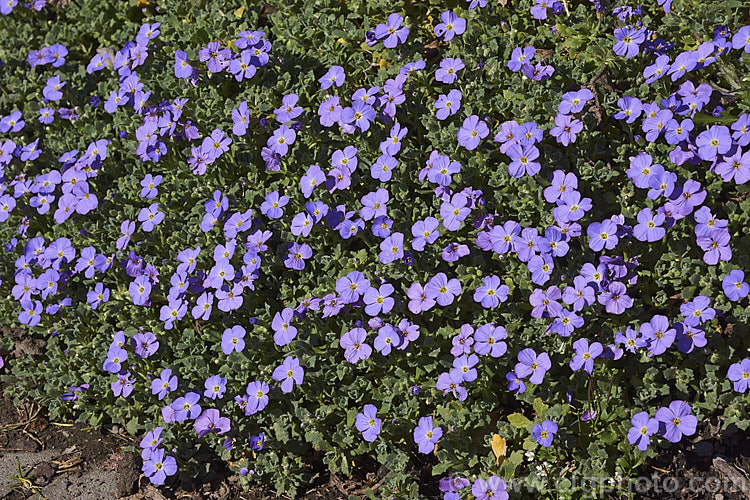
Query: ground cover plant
point(468, 241)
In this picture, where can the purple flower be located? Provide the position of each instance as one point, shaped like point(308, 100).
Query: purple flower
point(447, 73)
point(715, 246)
point(656, 70)
point(443, 290)
point(642, 430)
point(240, 118)
point(374, 204)
point(541, 268)
point(233, 340)
point(52, 89)
point(448, 105)
point(532, 366)
point(257, 397)
point(602, 235)
point(257, 442)
point(419, 302)
point(471, 132)
point(297, 256)
point(352, 286)
point(139, 290)
point(545, 303)
point(152, 439)
point(585, 355)
point(378, 300)
point(539, 9)
point(158, 467)
point(491, 293)
point(488, 340)
point(455, 211)
point(368, 423)
point(211, 421)
point(288, 110)
point(242, 67)
point(387, 338)
point(383, 167)
point(284, 331)
point(149, 185)
point(116, 356)
point(491, 489)
point(739, 373)
point(735, 167)
point(630, 109)
point(186, 407)
point(392, 248)
point(334, 76)
point(515, 382)
point(522, 160)
point(741, 39)
point(426, 435)
point(452, 25)
point(519, 57)
point(392, 33)
point(451, 382)
point(676, 421)
point(544, 433)
point(615, 298)
point(182, 68)
point(281, 139)
point(273, 205)
point(164, 384)
point(684, 62)
point(565, 129)
point(658, 334)
point(697, 311)
point(353, 342)
point(734, 285)
point(649, 226)
point(565, 323)
point(573, 102)
point(424, 232)
point(628, 41)
point(289, 373)
point(150, 217)
point(712, 142)
point(571, 207)
point(145, 344)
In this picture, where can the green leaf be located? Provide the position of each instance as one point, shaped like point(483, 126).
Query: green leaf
point(518, 420)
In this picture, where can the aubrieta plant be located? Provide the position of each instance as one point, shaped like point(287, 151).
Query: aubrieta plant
point(340, 234)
